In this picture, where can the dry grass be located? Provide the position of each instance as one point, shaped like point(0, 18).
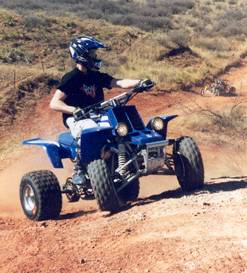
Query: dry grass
point(42, 40)
point(218, 125)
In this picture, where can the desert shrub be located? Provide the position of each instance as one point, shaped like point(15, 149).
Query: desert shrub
point(180, 6)
point(71, 25)
point(231, 23)
point(164, 40)
point(17, 56)
point(179, 37)
point(33, 21)
point(214, 44)
point(230, 122)
point(154, 12)
point(122, 60)
point(21, 5)
point(147, 15)
point(150, 23)
point(234, 30)
point(90, 13)
point(129, 19)
point(234, 14)
point(108, 7)
point(10, 21)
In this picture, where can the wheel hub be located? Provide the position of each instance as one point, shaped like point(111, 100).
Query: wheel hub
point(29, 200)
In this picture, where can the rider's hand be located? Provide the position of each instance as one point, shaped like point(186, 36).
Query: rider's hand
point(78, 114)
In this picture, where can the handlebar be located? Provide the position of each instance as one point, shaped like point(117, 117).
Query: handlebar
point(143, 85)
point(121, 99)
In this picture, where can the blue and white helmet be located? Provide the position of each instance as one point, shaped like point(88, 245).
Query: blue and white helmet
point(79, 50)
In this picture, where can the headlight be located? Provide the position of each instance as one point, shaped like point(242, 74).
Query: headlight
point(122, 129)
point(157, 124)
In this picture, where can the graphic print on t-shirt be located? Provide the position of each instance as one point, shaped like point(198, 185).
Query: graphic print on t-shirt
point(89, 90)
point(83, 90)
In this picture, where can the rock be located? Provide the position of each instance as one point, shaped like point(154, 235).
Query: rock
point(82, 261)
point(44, 225)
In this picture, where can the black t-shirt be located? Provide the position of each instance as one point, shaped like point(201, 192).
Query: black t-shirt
point(83, 90)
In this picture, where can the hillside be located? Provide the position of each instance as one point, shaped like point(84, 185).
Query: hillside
point(173, 42)
point(196, 44)
point(182, 45)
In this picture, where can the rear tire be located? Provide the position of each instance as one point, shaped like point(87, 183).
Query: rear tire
point(188, 164)
point(40, 195)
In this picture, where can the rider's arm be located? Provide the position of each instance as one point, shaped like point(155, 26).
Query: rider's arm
point(57, 103)
point(125, 83)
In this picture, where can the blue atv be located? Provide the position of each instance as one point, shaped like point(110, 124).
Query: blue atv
point(110, 159)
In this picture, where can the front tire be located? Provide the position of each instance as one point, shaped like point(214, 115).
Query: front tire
point(188, 163)
point(103, 188)
point(40, 195)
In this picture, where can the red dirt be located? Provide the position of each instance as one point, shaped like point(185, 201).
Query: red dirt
point(164, 231)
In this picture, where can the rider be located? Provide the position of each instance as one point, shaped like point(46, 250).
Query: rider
point(83, 86)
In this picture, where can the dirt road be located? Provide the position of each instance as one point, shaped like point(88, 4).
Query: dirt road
point(164, 231)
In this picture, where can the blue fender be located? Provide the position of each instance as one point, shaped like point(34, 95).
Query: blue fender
point(52, 148)
point(144, 137)
point(92, 142)
point(168, 118)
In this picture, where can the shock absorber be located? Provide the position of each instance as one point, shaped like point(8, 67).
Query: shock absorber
point(121, 158)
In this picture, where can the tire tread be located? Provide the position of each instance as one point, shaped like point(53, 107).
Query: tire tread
point(48, 194)
point(103, 187)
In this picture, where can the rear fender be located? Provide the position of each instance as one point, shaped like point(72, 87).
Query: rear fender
point(52, 148)
point(166, 119)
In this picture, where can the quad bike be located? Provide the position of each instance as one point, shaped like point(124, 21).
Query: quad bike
point(109, 160)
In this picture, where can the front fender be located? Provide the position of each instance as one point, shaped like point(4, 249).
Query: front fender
point(92, 142)
point(52, 148)
point(166, 119)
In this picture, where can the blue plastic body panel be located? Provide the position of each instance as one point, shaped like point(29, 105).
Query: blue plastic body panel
point(65, 147)
point(127, 114)
point(52, 148)
point(166, 119)
point(68, 145)
point(92, 142)
point(143, 137)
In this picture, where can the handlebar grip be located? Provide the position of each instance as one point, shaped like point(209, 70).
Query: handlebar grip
point(144, 85)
